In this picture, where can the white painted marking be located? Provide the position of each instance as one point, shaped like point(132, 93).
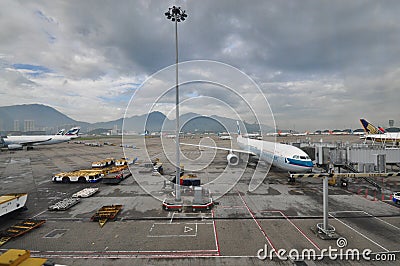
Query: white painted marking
point(299, 230)
point(360, 233)
point(187, 229)
point(39, 214)
point(382, 221)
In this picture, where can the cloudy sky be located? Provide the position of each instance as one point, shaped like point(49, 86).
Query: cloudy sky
point(320, 64)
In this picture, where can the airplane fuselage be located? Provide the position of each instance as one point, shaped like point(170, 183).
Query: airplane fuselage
point(35, 140)
point(17, 142)
point(384, 137)
point(285, 157)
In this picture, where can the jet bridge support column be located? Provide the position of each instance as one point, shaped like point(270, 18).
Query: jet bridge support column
point(324, 230)
point(325, 203)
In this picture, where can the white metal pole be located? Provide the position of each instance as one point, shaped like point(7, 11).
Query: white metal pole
point(325, 203)
point(178, 166)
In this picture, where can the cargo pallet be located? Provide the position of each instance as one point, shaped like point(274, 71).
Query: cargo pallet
point(85, 193)
point(106, 213)
point(19, 229)
point(64, 204)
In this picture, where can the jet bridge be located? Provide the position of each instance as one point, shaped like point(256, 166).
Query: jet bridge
point(363, 158)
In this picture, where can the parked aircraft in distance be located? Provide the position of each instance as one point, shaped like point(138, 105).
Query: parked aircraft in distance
point(282, 156)
point(225, 136)
point(378, 133)
point(18, 142)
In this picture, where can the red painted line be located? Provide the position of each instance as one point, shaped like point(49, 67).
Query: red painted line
point(133, 252)
point(258, 224)
point(127, 256)
point(124, 254)
point(216, 234)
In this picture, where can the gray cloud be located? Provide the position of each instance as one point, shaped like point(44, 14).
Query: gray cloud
point(315, 60)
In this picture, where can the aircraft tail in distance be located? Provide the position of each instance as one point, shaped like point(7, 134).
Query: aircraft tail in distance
point(370, 128)
point(61, 132)
point(238, 128)
point(73, 131)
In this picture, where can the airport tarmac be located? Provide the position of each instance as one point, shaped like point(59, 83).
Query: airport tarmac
point(277, 215)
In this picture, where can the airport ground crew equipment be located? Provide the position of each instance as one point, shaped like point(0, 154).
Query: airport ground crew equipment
point(103, 163)
point(396, 197)
point(190, 180)
point(116, 175)
point(64, 204)
point(19, 229)
point(82, 176)
point(12, 202)
point(171, 206)
point(106, 213)
point(15, 257)
point(85, 193)
point(157, 167)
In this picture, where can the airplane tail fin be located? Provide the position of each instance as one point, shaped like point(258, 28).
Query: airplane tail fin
point(238, 128)
point(61, 132)
point(370, 128)
point(73, 131)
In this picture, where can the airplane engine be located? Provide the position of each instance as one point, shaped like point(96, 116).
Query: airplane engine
point(232, 159)
point(14, 147)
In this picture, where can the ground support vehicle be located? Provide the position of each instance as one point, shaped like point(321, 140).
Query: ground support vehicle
point(82, 176)
point(396, 197)
point(12, 202)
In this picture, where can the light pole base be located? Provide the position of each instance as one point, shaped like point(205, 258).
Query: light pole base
point(325, 234)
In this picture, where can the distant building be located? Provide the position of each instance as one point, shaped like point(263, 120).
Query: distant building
point(114, 131)
point(16, 125)
point(29, 125)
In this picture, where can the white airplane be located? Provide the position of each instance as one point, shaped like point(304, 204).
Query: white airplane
point(18, 142)
point(225, 136)
point(282, 156)
point(378, 134)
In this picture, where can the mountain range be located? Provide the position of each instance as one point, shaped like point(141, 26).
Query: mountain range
point(50, 120)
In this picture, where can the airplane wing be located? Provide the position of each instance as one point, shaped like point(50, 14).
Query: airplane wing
point(219, 148)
